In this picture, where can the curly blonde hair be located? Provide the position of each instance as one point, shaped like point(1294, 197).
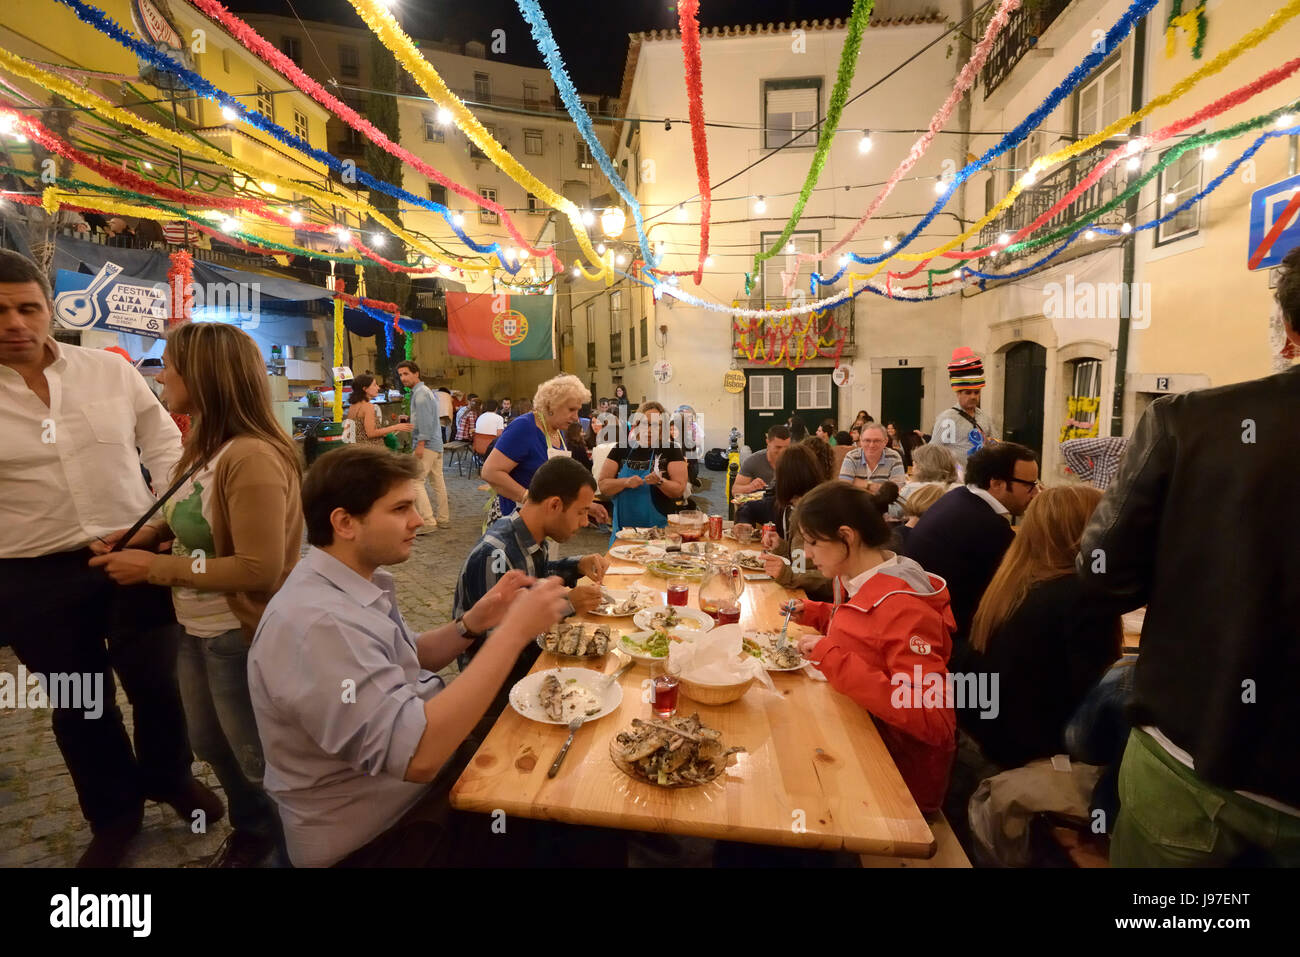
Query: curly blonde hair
point(558, 391)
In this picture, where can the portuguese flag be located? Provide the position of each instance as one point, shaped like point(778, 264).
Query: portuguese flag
point(500, 326)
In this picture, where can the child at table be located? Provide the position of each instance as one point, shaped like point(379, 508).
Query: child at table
point(887, 636)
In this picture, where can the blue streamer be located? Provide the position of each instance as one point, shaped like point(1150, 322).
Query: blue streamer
point(1114, 37)
point(106, 25)
point(545, 40)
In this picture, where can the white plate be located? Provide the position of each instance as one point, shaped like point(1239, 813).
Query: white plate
point(622, 594)
point(525, 696)
point(642, 619)
point(626, 553)
point(639, 534)
point(768, 643)
point(641, 636)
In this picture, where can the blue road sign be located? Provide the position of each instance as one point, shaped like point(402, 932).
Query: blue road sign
point(1266, 205)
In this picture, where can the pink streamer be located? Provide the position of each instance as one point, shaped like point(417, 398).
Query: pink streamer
point(965, 80)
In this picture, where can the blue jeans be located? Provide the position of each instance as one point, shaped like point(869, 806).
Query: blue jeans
point(213, 676)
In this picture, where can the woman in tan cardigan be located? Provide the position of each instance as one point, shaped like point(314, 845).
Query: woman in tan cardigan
point(236, 525)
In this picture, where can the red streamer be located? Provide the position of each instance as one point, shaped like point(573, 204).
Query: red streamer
point(687, 19)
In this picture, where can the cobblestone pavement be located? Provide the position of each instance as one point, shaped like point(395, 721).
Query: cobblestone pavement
point(40, 822)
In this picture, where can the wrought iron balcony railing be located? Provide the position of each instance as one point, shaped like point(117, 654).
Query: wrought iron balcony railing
point(1020, 36)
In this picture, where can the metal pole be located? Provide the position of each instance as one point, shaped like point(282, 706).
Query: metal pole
point(1130, 250)
point(180, 161)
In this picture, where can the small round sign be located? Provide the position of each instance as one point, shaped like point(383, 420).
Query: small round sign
point(733, 380)
point(842, 376)
point(663, 371)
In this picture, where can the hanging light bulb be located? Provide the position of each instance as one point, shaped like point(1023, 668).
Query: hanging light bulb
point(228, 114)
point(613, 221)
point(620, 260)
point(681, 212)
point(844, 260)
point(426, 262)
point(888, 244)
point(576, 272)
point(377, 240)
point(1126, 228)
point(1134, 164)
point(344, 235)
point(444, 115)
point(708, 262)
point(760, 205)
point(446, 269)
point(1030, 178)
point(1209, 153)
point(940, 186)
point(295, 217)
point(1134, 147)
point(668, 125)
point(523, 255)
point(1090, 234)
point(510, 255)
point(789, 248)
point(1171, 198)
point(1285, 120)
point(600, 248)
point(1003, 239)
point(865, 144)
point(148, 165)
point(588, 218)
point(458, 220)
point(8, 123)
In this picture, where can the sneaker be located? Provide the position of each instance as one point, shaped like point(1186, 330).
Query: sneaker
point(110, 842)
point(242, 849)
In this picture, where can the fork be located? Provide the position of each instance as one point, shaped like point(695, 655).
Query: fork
point(574, 725)
point(781, 639)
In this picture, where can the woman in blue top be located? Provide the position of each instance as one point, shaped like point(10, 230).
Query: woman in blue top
point(529, 440)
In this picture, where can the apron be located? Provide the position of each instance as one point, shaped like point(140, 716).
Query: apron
point(633, 507)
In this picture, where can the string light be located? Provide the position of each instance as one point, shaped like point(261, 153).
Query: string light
point(1003, 239)
point(760, 205)
point(444, 116)
point(1285, 120)
point(588, 218)
point(940, 186)
point(887, 245)
point(708, 262)
point(865, 144)
point(458, 220)
point(523, 255)
point(1126, 228)
point(295, 217)
point(1171, 198)
point(1209, 153)
point(681, 212)
point(1090, 235)
point(1134, 164)
point(789, 247)
point(620, 260)
point(344, 235)
point(377, 240)
point(844, 260)
point(600, 248)
point(577, 273)
point(228, 114)
point(8, 123)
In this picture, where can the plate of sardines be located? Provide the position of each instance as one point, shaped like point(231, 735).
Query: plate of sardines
point(623, 602)
point(677, 753)
point(766, 647)
point(559, 695)
point(577, 641)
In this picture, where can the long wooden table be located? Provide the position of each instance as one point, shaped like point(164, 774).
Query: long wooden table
point(815, 773)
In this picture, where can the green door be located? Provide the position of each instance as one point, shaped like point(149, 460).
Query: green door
point(900, 398)
point(773, 395)
point(1022, 397)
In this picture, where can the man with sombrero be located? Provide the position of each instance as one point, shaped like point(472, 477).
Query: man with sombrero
point(965, 428)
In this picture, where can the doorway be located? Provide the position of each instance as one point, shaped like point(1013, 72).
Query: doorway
point(901, 392)
point(773, 395)
point(1022, 396)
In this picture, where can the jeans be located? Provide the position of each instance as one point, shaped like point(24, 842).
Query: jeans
point(64, 617)
point(1169, 817)
point(213, 674)
point(431, 470)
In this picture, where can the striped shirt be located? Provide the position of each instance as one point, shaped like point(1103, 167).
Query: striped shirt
point(1096, 461)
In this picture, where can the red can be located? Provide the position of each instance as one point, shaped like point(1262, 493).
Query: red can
point(769, 527)
point(715, 528)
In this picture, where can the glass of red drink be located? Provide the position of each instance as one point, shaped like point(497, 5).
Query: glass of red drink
point(679, 591)
point(663, 697)
point(729, 615)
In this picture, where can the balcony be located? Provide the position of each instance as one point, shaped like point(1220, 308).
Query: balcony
point(767, 338)
point(1021, 35)
point(1045, 194)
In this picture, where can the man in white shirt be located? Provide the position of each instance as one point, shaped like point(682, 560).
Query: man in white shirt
point(489, 421)
point(70, 476)
point(443, 396)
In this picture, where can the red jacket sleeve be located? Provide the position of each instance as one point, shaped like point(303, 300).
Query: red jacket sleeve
point(816, 614)
point(888, 694)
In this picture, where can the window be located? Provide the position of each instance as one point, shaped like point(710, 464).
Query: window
point(300, 128)
point(533, 142)
point(474, 151)
point(353, 141)
point(433, 133)
point(591, 337)
point(644, 337)
point(349, 61)
point(1178, 182)
point(1083, 404)
point(438, 193)
point(1101, 100)
point(813, 392)
point(631, 342)
point(535, 205)
point(265, 102)
point(790, 106)
point(584, 154)
point(482, 87)
point(615, 343)
point(486, 215)
point(591, 104)
point(530, 94)
point(785, 261)
point(767, 392)
point(292, 48)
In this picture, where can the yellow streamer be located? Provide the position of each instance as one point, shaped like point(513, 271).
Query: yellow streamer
point(382, 24)
point(338, 358)
point(82, 97)
point(1180, 89)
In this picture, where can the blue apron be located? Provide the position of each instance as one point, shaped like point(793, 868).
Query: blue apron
point(634, 507)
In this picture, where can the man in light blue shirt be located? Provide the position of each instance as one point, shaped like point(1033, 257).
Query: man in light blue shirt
point(354, 722)
point(426, 433)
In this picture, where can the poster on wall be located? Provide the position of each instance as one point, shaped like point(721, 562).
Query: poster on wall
point(110, 301)
point(663, 371)
point(842, 376)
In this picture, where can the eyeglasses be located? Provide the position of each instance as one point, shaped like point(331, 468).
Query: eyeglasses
point(1034, 484)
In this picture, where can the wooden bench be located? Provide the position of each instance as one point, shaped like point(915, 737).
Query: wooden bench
point(947, 851)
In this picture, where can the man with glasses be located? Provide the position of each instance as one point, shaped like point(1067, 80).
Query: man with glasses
point(963, 536)
point(873, 462)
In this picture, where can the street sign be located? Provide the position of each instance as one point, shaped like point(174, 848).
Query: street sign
point(1274, 223)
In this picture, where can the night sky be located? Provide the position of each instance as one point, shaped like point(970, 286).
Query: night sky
point(592, 36)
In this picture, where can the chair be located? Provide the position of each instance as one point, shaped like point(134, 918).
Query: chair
point(455, 453)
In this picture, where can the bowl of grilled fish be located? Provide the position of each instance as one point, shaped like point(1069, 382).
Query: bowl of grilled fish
point(577, 641)
point(677, 753)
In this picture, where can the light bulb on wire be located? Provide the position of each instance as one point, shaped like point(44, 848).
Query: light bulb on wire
point(888, 244)
point(1285, 120)
point(708, 262)
point(760, 205)
point(444, 116)
point(681, 212)
point(865, 144)
point(458, 220)
point(1209, 153)
point(1171, 198)
point(1126, 228)
point(295, 217)
point(588, 218)
point(377, 240)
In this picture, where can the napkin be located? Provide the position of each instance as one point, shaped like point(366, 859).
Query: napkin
point(716, 658)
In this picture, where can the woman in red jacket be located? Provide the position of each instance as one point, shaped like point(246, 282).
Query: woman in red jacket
point(886, 645)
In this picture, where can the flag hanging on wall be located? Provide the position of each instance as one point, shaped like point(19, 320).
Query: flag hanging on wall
point(500, 326)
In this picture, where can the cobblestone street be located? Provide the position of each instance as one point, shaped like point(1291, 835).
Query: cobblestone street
point(40, 822)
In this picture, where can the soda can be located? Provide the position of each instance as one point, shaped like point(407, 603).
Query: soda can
point(715, 528)
point(769, 527)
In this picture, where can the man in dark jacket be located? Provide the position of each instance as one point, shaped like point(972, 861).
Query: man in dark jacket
point(1200, 526)
point(963, 536)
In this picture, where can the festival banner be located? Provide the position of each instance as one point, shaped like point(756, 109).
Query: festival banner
point(108, 300)
point(500, 326)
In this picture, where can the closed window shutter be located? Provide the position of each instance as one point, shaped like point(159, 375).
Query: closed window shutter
point(788, 111)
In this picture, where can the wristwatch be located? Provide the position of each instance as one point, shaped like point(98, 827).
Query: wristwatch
point(465, 632)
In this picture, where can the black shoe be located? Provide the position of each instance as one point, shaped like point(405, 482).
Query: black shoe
point(111, 840)
point(243, 849)
point(194, 796)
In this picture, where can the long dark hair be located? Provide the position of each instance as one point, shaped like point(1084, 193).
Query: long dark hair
point(798, 472)
point(359, 386)
point(820, 514)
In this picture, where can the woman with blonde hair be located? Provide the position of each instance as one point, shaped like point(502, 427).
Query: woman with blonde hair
point(237, 525)
point(917, 504)
point(1036, 628)
point(530, 440)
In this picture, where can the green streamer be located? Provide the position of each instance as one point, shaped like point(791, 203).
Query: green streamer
point(848, 66)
